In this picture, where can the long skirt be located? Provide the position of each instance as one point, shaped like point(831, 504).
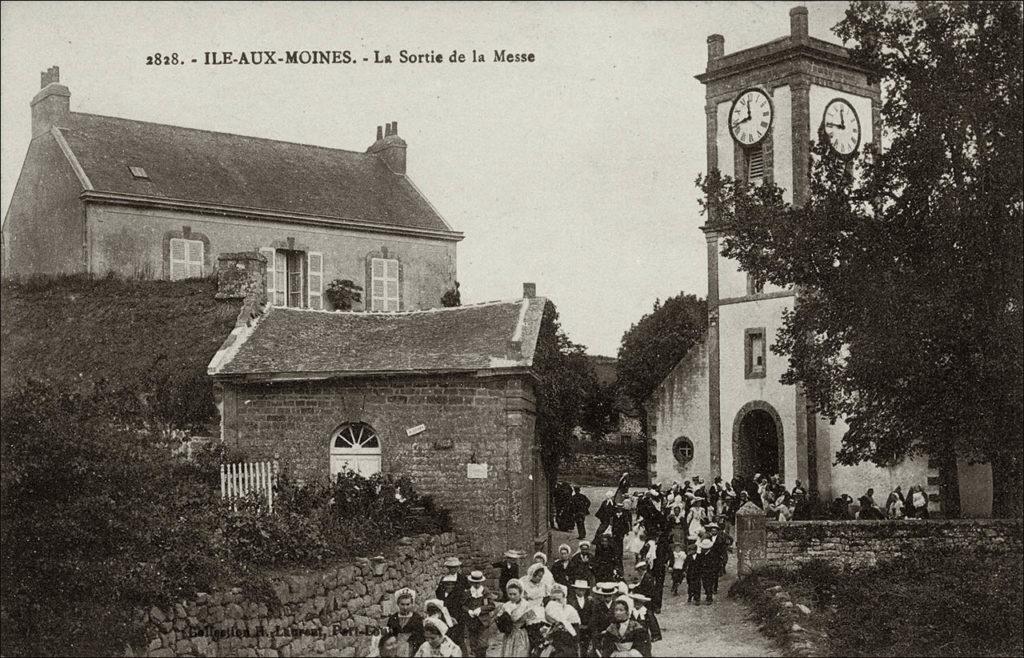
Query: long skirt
point(516, 644)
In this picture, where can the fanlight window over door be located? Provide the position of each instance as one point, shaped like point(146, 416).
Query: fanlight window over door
point(357, 447)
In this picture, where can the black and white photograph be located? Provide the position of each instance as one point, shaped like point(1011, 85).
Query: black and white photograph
point(512, 329)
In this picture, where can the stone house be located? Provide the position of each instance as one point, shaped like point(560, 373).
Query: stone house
point(722, 409)
point(445, 396)
point(101, 194)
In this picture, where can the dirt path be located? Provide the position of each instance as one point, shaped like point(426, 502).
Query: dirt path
point(720, 629)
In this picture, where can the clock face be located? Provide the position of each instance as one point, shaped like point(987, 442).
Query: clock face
point(842, 126)
point(750, 117)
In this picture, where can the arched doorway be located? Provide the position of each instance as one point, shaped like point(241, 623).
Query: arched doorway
point(757, 441)
point(356, 446)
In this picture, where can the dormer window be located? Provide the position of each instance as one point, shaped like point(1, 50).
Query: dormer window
point(138, 172)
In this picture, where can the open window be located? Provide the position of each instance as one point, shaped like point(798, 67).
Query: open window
point(294, 278)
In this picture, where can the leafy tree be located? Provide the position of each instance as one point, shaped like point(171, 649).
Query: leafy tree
point(343, 294)
point(655, 344)
point(565, 380)
point(909, 264)
point(452, 297)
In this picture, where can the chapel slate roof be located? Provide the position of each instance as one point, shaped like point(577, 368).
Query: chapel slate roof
point(201, 166)
point(305, 344)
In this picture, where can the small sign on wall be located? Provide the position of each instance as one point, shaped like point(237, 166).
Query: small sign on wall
point(476, 471)
point(413, 431)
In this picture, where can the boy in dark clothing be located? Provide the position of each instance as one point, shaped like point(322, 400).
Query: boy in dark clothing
point(509, 569)
point(693, 566)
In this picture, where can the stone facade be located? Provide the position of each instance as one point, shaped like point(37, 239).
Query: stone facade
point(335, 611)
point(135, 242)
point(853, 544)
point(469, 420)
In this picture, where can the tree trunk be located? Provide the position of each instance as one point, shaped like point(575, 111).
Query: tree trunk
point(949, 485)
point(1007, 495)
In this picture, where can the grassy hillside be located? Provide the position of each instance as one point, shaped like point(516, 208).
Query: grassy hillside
point(153, 338)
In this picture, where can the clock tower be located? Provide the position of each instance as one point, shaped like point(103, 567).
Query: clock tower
point(764, 107)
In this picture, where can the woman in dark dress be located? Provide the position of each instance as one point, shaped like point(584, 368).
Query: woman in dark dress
point(406, 624)
point(625, 637)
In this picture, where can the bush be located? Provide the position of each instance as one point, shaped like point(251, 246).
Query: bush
point(316, 521)
point(927, 603)
point(96, 519)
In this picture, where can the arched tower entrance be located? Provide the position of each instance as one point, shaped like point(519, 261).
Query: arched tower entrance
point(757, 441)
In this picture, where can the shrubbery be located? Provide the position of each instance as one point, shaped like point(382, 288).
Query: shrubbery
point(98, 517)
point(351, 516)
point(923, 604)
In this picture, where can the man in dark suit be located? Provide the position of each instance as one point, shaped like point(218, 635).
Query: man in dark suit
point(604, 514)
point(580, 506)
point(581, 566)
point(580, 599)
point(714, 557)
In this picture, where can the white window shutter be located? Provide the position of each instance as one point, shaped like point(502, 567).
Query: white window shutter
point(178, 259)
point(280, 278)
point(315, 279)
point(378, 296)
point(194, 251)
point(268, 253)
point(392, 285)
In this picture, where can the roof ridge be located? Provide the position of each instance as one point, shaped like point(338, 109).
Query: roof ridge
point(388, 314)
point(218, 132)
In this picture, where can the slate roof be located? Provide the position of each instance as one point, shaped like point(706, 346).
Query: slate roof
point(201, 166)
point(304, 344)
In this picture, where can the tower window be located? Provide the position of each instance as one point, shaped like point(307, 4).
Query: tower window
point(754, 353)
point(755, 164)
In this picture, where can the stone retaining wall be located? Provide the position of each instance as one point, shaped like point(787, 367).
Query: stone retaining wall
point(853, 544)
point(331, 612)
point(590, 469)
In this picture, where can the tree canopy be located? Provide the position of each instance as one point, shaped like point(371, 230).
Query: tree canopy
point(654, 345)
point(909, 260)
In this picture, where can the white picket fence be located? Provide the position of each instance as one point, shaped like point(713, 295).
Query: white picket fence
point(238, 480)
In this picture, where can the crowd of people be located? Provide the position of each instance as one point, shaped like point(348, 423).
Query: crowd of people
point(580, 603)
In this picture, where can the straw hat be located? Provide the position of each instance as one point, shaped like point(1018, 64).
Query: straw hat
point(453, 562)
point(476, 577)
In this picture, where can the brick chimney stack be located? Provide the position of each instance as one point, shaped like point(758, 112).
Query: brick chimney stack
point(716, 46)
point(390, 148)
point(798, 23)
point(52, 104)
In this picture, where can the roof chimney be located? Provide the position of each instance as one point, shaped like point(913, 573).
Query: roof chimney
point(716, 46)
point(52, 104)
point(390, 148)
point(798, 23)
point(529, 290)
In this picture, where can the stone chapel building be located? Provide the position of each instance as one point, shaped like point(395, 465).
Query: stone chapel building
point(722, 411)
point(100, 194)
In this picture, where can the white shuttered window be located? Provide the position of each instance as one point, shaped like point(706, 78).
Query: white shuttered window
point(384, 285)
point(315, 279)
point(186, 259)
point(277, 276)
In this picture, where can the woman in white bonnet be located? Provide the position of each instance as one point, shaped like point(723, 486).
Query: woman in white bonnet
point(437, 644)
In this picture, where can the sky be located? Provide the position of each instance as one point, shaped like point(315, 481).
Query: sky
point(575, 171)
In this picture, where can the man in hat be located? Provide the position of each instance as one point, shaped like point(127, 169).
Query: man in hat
point(583, 603)
point(509, 569)
point(622, 523)
point(713, 548)
point(601, 615)
point(580, 505)
point(477, 597)
point(693, 567)
point(452, 591)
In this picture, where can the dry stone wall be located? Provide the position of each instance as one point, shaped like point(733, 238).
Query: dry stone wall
point(589, 469)
point(334, 612)
point(854, 544)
